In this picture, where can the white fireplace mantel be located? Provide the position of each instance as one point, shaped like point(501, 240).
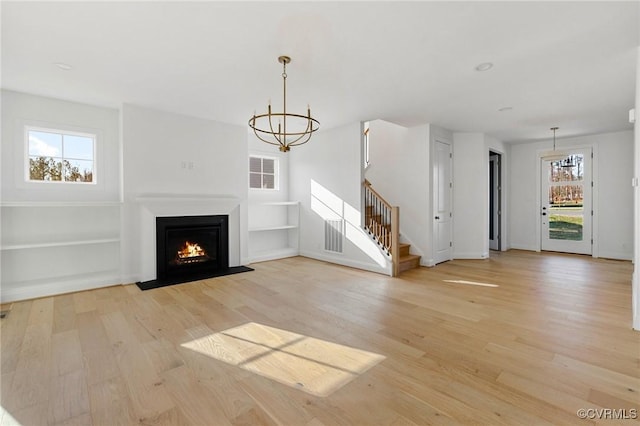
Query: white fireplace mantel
point(150, 206)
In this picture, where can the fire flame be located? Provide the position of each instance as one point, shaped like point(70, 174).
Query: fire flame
point(190, 250)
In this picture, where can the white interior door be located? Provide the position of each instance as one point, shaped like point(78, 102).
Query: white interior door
point(566, 203)
point(442, 222)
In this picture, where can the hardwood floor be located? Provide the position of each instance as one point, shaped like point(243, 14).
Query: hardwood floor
point(521, 338)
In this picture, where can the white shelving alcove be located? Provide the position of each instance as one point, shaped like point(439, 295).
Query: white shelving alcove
point(273, 230)
point(52, 248)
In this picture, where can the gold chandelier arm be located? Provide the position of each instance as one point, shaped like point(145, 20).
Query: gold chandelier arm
point(265, 140)
point(308, 132)
point(310, 123)
point(275, 135)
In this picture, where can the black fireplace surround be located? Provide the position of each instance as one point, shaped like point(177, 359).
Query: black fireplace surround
point(191, 248)
point(208, 237)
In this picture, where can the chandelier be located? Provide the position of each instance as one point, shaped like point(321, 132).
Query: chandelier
point(271, 127)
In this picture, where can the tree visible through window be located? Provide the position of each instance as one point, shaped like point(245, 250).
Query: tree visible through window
point(59, 156)
point(263, 173)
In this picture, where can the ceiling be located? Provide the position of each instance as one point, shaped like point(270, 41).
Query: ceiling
point(566, 64)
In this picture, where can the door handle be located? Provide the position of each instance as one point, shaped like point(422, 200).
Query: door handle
point(437, 217)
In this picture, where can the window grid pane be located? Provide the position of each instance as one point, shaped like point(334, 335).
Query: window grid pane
point(255, 180)
point(268, 181)
point(60, 157)
point(263, 173)
point(255, 164)
point(267, 166)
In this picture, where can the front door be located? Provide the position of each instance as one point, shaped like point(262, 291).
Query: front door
point(566, 210)
point(442, 222)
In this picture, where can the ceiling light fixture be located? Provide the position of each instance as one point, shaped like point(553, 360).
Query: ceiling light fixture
point(268, 131)
point(555, 155)
point(485, 66)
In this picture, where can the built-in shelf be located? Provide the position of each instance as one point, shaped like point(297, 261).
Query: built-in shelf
point(24, 246)
point(60, 204)
point(53, 247)
point(281, 203)
point(28, 289)
point(273, 230)
point(265, 255)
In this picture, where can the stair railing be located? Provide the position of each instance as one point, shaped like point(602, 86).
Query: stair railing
point(382, 221)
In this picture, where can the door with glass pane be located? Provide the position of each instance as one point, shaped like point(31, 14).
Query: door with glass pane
point(566, 203)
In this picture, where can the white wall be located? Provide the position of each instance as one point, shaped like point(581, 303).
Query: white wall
point(20, 110)
point(613, 196)
point(399, 171)
point(168, 157)
point(470, 196)
point(176, 154)
point(58, 237)
point(326, 176)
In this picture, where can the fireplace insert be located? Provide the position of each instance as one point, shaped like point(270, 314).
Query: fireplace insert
point(191, 247)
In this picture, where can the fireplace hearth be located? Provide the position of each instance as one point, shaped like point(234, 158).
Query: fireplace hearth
point(191, 248)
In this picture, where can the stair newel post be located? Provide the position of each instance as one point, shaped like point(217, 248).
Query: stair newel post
point(395, 241)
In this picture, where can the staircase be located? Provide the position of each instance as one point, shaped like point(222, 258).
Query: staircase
point(407, 260)
point(382, 222)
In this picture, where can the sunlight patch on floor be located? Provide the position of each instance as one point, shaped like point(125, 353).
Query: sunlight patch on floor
point(312, 365)
point(471, 283)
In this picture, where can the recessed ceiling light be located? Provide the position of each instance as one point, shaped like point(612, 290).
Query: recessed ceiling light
point(485, 66)
point(507, 108)
point(63, 66)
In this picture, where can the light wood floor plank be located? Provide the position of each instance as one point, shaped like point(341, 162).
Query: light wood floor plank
point(519, 338)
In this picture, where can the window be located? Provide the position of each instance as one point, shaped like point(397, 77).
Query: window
point(263, 172)
point(366, 145)
point(60, 156)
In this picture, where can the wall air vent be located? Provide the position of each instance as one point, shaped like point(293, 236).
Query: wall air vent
point(333, 235)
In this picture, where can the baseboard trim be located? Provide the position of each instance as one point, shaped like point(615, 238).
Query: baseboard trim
point(429, 263)
point(470, 255)
point(615, 256)
point(346, 262)
point(526, 247)
point(55, 288)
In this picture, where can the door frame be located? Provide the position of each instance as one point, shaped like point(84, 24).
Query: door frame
point(594, 194)
point(433, 194)
point(499, 197)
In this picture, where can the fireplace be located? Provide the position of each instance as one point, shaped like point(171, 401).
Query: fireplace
point(191, 247)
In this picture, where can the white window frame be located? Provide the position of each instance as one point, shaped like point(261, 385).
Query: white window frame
point(276, 172)
point(367, 145)
point(63, 132)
